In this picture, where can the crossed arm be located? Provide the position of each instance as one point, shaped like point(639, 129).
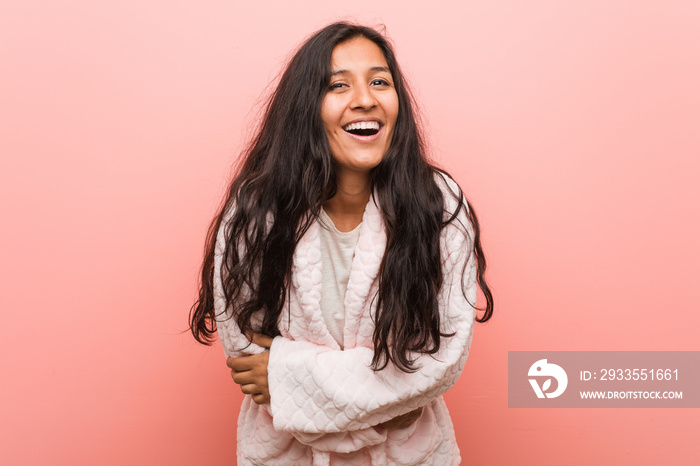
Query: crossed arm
point(250, 372)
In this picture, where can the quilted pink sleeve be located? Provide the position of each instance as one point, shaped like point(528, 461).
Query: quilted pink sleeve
point(234, 342)
point(317, 390)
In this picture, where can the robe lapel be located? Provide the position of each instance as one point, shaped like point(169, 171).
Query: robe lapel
point(307, 318)
point(365, 270)
point(307, 272)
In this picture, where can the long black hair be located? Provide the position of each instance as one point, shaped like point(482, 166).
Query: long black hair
point(287, 174)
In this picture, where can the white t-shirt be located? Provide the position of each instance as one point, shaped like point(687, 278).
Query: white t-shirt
point(337, 252)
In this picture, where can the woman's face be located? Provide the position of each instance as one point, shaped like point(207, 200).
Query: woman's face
point(360, 108)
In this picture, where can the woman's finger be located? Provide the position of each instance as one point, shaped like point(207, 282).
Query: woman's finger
point(249, 377)
point(403, 421)
point(242, 363)
point(250, 389)
point(241, 378)
point(262, 340)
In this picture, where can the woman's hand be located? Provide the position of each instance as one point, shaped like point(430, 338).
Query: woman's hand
point(250, 372)
point(402, 421)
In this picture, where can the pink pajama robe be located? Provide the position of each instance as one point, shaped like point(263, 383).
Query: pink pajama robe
point(326, 401)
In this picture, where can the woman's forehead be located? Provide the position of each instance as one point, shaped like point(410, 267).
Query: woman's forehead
point(358, 54)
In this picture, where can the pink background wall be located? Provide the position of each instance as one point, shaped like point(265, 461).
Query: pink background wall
point(573, 126)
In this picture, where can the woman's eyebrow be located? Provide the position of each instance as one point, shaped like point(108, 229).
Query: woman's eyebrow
point(374, 68)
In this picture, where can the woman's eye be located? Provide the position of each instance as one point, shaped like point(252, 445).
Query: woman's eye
point(337, 85)
point(380, 82)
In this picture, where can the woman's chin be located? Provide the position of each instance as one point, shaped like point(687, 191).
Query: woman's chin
point(358, 163)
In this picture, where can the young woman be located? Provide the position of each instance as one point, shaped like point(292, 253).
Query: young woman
point(341, 271)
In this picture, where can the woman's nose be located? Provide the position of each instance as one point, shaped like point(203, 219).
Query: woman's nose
point(363, 98)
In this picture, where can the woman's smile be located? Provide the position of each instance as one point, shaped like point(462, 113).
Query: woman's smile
point(364, 130)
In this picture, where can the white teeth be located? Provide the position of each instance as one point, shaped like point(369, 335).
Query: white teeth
point(362, 125)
